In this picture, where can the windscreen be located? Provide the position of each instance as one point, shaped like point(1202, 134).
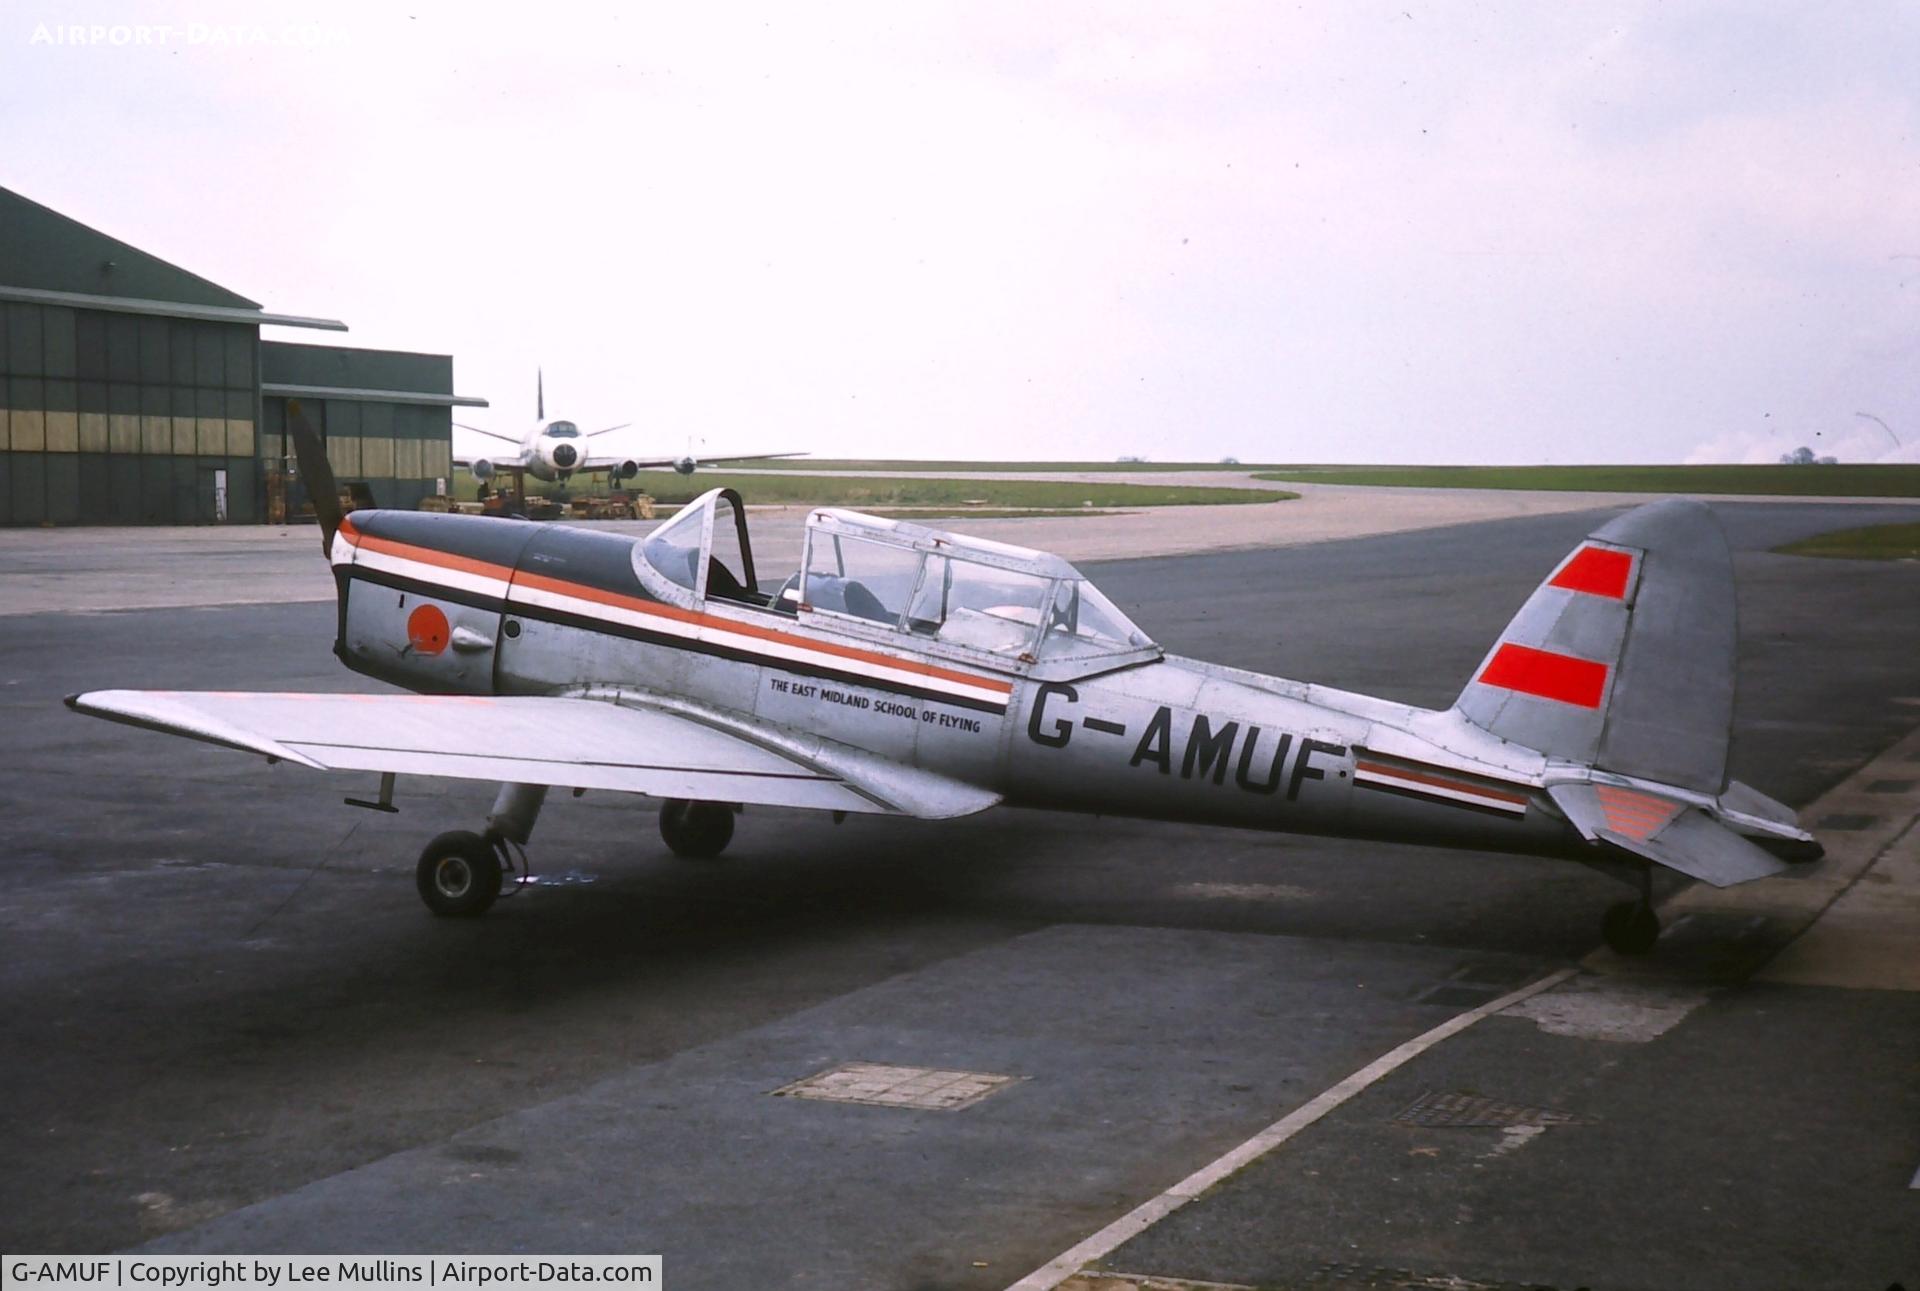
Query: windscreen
point(674, 548)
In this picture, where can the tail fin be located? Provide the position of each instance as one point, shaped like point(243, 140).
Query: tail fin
point(1623, 659)
point(1621, 664)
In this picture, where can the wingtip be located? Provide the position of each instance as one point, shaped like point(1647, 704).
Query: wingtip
point(72, 701)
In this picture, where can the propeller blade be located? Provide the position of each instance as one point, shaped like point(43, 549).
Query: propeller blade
point(311, 454)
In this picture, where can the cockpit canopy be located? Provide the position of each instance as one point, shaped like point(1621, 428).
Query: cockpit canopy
point(927, 590)
point(561, 430)
point(957, 591)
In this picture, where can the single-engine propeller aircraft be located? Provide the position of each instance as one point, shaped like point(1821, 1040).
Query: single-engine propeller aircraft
point(555, 451)
point(909, 671)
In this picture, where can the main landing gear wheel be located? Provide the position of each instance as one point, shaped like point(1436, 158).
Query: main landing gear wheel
point(459, 874)
point(1631, 928)
point(698, 831)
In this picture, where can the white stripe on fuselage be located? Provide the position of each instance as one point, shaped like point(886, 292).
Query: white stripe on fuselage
point(747, 643)
point(1451, 793)
point(774, 652)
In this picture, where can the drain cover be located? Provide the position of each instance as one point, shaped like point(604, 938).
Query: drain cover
point(1844, 822)
point(1465, 1111)
point(876, 1085)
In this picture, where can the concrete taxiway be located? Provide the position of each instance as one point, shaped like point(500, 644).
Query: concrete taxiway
point(118, 569)
point(232, 1027)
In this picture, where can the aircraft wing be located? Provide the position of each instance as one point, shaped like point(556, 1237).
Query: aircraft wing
point(712, 458)
point(647, 463)
point(565, 742)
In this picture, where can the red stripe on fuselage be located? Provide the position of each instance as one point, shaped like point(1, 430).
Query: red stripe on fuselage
point(543, 582)
point(429, 556)
point(1560, 677)
point(564, 588)
point(1441, 782)
point(1597, 571)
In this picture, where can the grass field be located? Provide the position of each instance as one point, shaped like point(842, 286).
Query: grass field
point(883, 491)
point(1794, 481)
point(920, 515)
point(906, 465)
point(1873, 542)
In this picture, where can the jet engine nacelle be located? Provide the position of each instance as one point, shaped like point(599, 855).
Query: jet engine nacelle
point(562, 457)
point(685, 465)
point(482, 470)
point(629, 469)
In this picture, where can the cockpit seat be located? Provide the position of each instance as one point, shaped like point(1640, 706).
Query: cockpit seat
point(846, 596)
point(865, 604)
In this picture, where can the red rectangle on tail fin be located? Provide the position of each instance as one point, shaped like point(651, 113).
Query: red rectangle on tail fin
point(1597, 571)
point(1561, 677)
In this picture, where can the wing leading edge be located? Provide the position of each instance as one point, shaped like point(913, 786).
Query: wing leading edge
point(567, 742)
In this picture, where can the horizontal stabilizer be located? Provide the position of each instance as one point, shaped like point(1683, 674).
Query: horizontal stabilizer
point(1671, 833)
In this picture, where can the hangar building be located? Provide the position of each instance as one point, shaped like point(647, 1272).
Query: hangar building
point(134, 392)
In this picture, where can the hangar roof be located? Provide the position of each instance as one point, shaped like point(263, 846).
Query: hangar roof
point(47, 258)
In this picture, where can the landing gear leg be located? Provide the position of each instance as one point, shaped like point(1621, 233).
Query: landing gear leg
point(459, 873)
point(515, 808)
point(696, 830)
point(1631, 927)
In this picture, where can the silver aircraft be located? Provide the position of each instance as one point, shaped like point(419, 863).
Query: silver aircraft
point(556, 450)
point(903, 670)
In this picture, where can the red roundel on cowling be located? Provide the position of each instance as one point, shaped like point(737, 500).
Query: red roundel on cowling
point(427, 630)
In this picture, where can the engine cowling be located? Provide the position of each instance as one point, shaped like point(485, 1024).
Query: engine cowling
point(564, 456)
point(629, 469)
point(482, 470)
point(685, 465)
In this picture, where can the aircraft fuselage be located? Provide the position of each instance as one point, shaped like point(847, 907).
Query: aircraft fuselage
point(460, 605)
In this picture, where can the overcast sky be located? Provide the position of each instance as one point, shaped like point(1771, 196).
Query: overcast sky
point(1531, 232)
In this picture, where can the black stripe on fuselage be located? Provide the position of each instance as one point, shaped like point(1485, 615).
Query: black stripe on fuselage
point(1417, 796)
point(850, 674)
point(596, 561)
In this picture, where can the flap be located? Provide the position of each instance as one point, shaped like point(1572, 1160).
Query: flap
point(560, 741)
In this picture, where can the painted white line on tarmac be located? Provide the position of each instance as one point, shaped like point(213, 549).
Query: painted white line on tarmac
point(1144, 1216)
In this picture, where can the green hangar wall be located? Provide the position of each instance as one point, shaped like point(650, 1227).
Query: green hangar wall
point(134, 392)
point(387, 416)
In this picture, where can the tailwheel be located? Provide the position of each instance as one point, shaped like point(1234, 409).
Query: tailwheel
point(1631, 927)
point(459, 874)
point(698, 831)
